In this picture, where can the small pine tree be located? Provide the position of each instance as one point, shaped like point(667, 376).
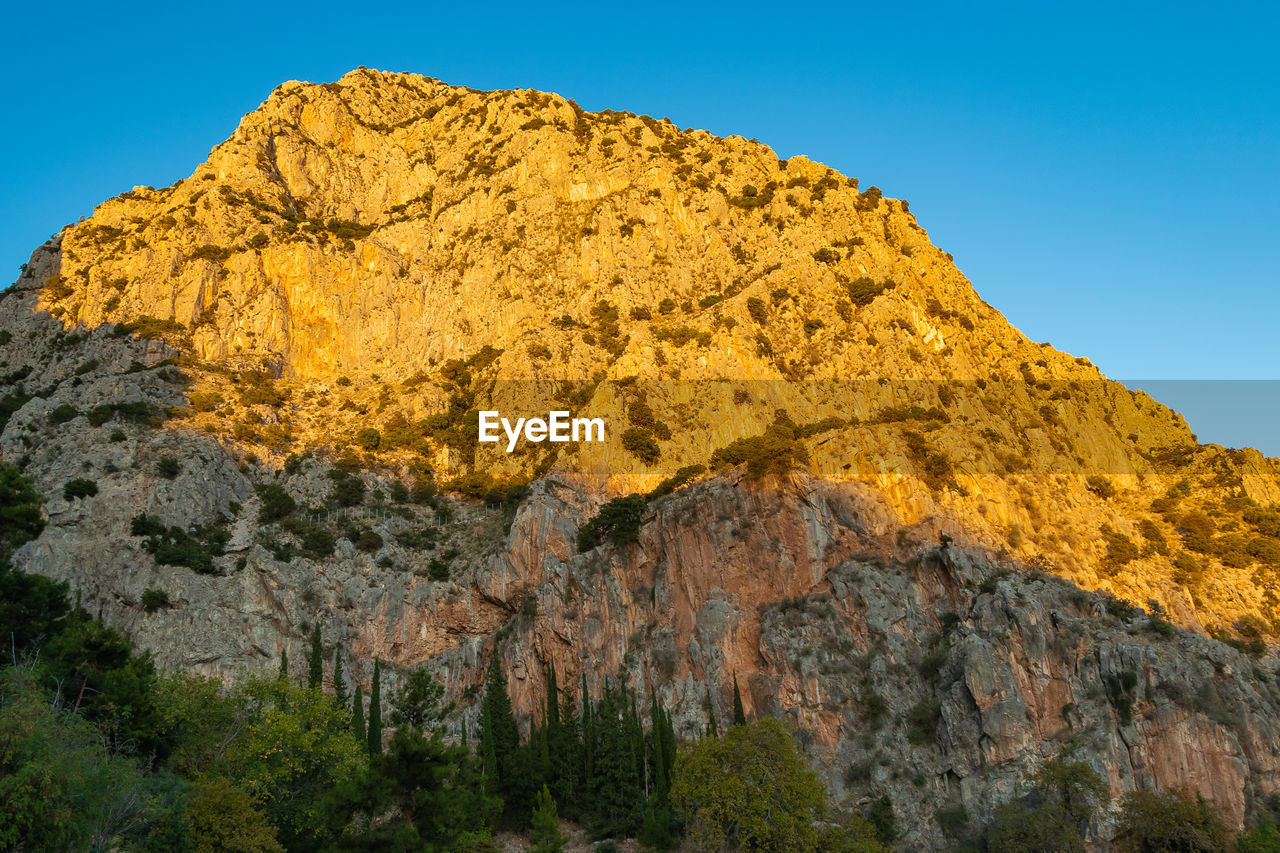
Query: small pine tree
point(544, 826)
point(739, 715)
point(339, 682)
point(284, 665)
point(315, 664)
point(357, 715)
point(375, 710)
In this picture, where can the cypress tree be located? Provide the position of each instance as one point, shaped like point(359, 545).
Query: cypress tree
point(284, 666)
point(500, 736)
point(375, 710)
point(739, 715)
point(339, 682)
point(315, 663)
point(588, 738)
point(712, 729)
point(568, 755)
point(668, 743)
point(544, 829)
point(357, 715)
point(550, 742)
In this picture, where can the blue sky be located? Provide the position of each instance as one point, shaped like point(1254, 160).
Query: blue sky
point(1106, 175)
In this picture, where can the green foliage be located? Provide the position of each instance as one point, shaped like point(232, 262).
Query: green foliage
point(863, 291)
point(618, 520)
point(1100, 486)
point(880, 815)
point(544, 825)
point(318, 543)
point(682, 476)
point(79, 488)
point(276, 503)
point(315, 660)
point(1120, 548)
point(1054, 815)
point(1156, 821)
point(151, 327)
point(739, 715)
point(750, 789)
point(419, 703)
point(1262, 839)
point(506, 766)
point(63, 413)
point(367, 439)
point(369, 541)
point(641, 445)
point(168, 467)
point(173, 546)
point(421, 795)
point(61, 788)
point(935, 466)
point(20, 517)
point(922, 722)
point(775, 451)
point(219, 817)
point(155, 599)
point(375, 710)
point(348, 489)
point(1120, 689)
point(758, 310)
point(135, 411)
point(295, 748)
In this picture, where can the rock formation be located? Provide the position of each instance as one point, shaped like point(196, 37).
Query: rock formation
point(329, 299)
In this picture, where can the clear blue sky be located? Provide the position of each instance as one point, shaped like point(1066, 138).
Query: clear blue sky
point(1108, 176)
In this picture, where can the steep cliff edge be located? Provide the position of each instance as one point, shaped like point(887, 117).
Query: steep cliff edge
point(390, 254)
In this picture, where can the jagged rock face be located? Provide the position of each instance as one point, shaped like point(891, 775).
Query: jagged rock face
point(353, 238)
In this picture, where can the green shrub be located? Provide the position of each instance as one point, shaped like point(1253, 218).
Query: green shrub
point(173, 546)
point(155, 599)
point(1100, 486)
point(63, 413)
point(135, 411)
point(618, 520)
point(758, 310)
point(1170, 820)
point(79, 488)
point(863, 291)
point(774, 451)
point(1120, 548)
point(1120, 689)
point(348, 489)
point(368, 541)
point(640, 414)
point(368, 439)
point(438, 569)
point(276, 503)
point(318, 543)
point(680, 478)
point(168, 467)
point(922, 722)
point(641, 445)
point(953, 820)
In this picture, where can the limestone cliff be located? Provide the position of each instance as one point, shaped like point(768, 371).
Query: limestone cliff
point(328, 300)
